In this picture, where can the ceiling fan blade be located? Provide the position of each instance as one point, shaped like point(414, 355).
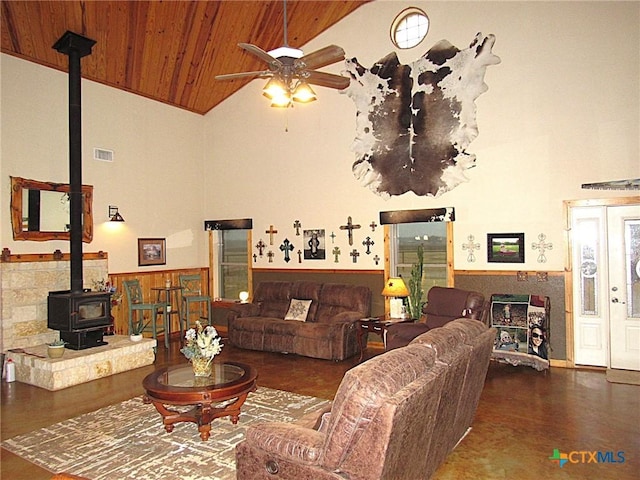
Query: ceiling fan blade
point(233, 76)
point(327, 80)
point(273, 62)
point(320, 58)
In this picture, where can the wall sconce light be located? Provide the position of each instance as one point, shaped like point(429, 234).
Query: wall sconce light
point(395, 287)
point(114, 215)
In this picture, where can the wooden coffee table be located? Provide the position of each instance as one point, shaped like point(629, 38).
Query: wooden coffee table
point(177, 385)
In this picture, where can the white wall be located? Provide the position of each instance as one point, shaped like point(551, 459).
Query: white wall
point(562, 109)
point(155, 178)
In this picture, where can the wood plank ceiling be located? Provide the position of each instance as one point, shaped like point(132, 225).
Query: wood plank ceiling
point(169, 51)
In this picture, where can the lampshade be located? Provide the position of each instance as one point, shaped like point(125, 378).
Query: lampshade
point(281, 100)
point(114, 215)
point(275, 88)
point(303, 93)
point(395, 287)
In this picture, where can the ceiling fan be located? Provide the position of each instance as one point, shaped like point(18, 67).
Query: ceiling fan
point(291, 72)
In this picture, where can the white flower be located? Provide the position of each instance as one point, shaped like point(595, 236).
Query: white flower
point(201, 342)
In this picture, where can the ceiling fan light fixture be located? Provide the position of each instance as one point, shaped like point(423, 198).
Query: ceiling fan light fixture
point(303, 93)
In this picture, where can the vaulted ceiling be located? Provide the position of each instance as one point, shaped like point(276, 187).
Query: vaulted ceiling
point(169, 51)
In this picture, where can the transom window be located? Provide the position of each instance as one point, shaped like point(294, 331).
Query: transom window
point(409, 28)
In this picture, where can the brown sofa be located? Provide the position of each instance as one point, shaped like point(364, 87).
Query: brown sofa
point(329, 331)
point(395, 416)
point(444, 304)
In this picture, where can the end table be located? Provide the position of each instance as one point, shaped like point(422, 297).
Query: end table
point(377, 325)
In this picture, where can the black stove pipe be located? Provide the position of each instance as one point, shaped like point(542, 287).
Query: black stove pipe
point(75, 46)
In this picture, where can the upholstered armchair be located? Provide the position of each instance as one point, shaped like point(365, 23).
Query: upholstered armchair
point(443, 305)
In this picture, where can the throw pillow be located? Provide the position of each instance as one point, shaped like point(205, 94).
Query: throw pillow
point(298, 310)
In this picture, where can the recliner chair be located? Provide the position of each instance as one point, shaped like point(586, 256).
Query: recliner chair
point(444, 304)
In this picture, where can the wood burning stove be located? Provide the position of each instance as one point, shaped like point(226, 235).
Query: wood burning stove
point(81, 318)
point(80, 315)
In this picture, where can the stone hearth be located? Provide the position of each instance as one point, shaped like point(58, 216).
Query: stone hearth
point(80, 366)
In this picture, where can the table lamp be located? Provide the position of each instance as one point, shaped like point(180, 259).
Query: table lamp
point(395, 288)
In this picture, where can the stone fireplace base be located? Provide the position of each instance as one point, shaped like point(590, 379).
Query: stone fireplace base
point(80, 366)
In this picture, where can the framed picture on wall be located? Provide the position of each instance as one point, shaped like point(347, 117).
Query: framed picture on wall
point(314, 245)
point(505, 247)
point(152, 251)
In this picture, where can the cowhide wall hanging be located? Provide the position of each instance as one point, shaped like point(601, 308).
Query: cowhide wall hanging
point(414, 122)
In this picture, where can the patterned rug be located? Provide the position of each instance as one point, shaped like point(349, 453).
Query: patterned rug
point(128, 440)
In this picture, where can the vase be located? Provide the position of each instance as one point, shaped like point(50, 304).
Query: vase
point(201, 366)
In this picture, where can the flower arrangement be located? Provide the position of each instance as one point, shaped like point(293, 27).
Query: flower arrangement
point(105, 286)
point(202, 343)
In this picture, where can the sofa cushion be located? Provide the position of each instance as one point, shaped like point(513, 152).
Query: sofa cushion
point(298, 310)
point(335, 299)
point(308, 291)
point(273, 298)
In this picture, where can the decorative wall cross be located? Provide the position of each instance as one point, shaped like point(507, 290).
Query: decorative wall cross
point(299, 252)
point(542, 246)
point(297, 226)
point(333, 237)
point(270, 256)
point(286, 247)
point(255, 258)
point(271, 232)
point(354, 253)
point(367, 243)
point(471, 246)
point(350, 227)
point(336, 253)
point(373, 226)
point(376, 259)
point(261, 246)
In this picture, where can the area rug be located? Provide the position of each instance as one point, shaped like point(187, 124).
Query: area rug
point(128, 441)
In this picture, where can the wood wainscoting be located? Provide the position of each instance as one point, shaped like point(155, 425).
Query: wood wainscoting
point(149, 280)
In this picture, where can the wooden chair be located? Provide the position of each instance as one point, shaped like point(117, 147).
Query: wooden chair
point(138, 306)
point(192, 294)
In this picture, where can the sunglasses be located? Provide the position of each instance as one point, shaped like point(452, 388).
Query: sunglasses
point(536, 335)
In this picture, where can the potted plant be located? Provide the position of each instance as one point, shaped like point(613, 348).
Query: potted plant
point(136, 331)
point(55, 349)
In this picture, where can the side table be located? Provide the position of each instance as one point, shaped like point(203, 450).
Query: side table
point(377, 325)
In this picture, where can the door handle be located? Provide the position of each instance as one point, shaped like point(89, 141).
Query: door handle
point(615, 300)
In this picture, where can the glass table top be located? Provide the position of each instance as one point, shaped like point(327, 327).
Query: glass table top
point(182, 376)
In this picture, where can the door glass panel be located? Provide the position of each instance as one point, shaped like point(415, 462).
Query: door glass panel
point(632, 266)
point(587, 232)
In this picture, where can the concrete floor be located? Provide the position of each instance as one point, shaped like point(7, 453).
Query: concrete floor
point(523, 416)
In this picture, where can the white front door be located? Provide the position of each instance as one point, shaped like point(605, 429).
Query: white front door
point(606, 285)
point(624, 286)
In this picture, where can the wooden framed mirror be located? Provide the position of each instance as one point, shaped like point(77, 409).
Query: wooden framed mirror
point(40, 210)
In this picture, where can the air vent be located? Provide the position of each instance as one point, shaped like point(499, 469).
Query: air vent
point(103, 155)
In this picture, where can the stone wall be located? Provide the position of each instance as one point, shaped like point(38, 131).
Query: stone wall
point(26, 282)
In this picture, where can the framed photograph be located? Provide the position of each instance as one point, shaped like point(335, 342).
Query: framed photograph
point(314, 245)
point(152, 251)
point(505, 247)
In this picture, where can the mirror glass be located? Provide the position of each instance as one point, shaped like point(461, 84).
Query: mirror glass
point(40, 210)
